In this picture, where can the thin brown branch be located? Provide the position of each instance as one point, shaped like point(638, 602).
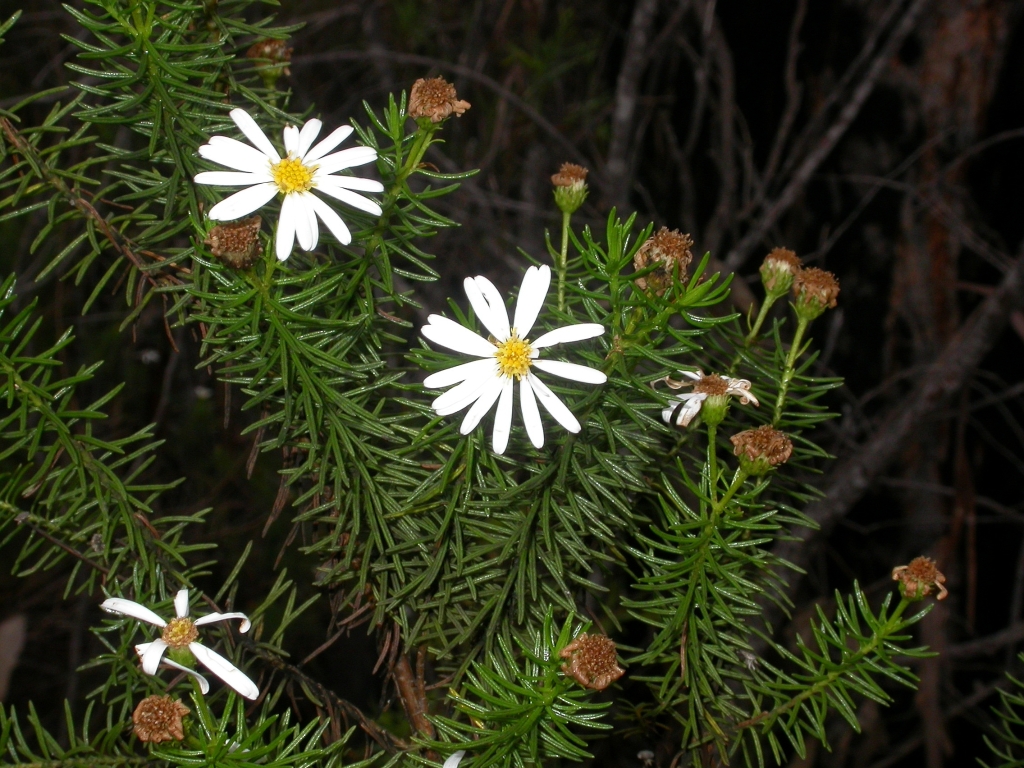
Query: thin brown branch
point(24, 519)
point(983, 646)
point(413, 695)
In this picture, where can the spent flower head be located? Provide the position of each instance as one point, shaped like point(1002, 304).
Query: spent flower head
point(179, 640)
point(306, 168)
point(435, 99)
point(508, 357)
point(761, 450)
point(272, 58)
point(778, 270)
point(919, 578)
point(710, 398)
point(570, 185)
point(591, 660)
point(237, 243)
point(814, 291)
point(668, 250)
point(158, 718)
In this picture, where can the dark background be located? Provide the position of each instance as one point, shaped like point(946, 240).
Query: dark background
point(881, 140)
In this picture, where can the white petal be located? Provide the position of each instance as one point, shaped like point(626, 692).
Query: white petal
point(463, 395)
point(553, 405)
point(568, 333)
point(351, 198)
point(212, 617)
point(347, 158)
point(254, 134)
point(454, 759)
point(335, 138)
point(181, 603)
point(532, 293)
point(204, 684)
point(224, 150)
point(497, 305)
point(225, 670)
point(284, 240)
point(503, 417)
point(491, 319)
point(243, 203)
point(448, 333)
point(232, 178)
point(306, 230)
point(571, 371)
point(492, 389)
point(151, 654)
point(351, 182)
point(133, 609)
point(692, 402)
point(291, 140)
point(459, 373)
point(695, 375)
point(531, 414)
point(308, 135)
point(331, 219)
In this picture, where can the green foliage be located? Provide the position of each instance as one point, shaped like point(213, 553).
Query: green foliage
point(1006, 742)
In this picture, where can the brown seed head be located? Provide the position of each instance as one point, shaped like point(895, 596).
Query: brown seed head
point(712, 384)
point(570, 175)
point(765, 446)
point(158, 718)
point(669, 250)
point(237, 243)
point(778, 270)
point(271, 52)
point(815, 289)
point(919, 578)
point(180, 632)
point(591, 661)
point(435, 98)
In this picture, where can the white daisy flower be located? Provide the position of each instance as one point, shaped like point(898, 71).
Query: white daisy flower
point(180, 633)
point(304, 169)
point(704, 387)
point(507, 357)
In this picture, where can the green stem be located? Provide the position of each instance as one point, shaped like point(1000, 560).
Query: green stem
point(563, 260)
point(737, 482)
point(713, 462)
point(205, 716)
point(769, 300)
point(787, 374)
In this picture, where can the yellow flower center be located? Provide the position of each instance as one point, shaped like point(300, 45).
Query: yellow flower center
point(514, 356)
point(179, 633)
point(291, 175)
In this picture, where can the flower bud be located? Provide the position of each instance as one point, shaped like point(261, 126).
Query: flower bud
point(815, 290)
point(570, 185)
point(778, 270)
point(591, 661)
point(158, 718)
point(237, 243)
point(669, 252)
point(272, 58)
point(919, 578)
point(761, 450)
point(434, 99)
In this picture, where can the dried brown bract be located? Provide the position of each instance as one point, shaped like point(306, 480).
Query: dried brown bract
point(436, 99)
point(158, 718)
point(237, 243)
point(761, 449)
point(669, 251)
point(591, 661)
point(919, 578)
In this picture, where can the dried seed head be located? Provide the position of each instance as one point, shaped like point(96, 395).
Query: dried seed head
point(919, 578)
point(778, 270)
point(669, 251)
point(436, 99)
point(591, 661)
point(712, 384)
point(158, 718)
point(570, 175)
point(815, 291)
point(237, 243)
point(271, 58)
point(570, 185)
point(761, 450)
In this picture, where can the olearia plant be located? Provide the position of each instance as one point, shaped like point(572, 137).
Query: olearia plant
point(598, 563)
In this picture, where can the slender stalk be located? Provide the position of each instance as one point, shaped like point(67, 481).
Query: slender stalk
point(769, 300)
point(563, 261)
point(787, 374)
point(713, 462)
point(737, 482)
point(205, 716)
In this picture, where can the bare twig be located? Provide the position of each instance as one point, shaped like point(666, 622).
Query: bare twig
point(413, 695)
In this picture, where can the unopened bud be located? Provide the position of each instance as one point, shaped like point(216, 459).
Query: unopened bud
point(570, 185)
point(668, 250)
point(591, 661)
point(919, 578)
point(761, 450)
point(778, 270)
point(236, 243)
point(272, 58)
point(814, 291)
point(434, 99)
